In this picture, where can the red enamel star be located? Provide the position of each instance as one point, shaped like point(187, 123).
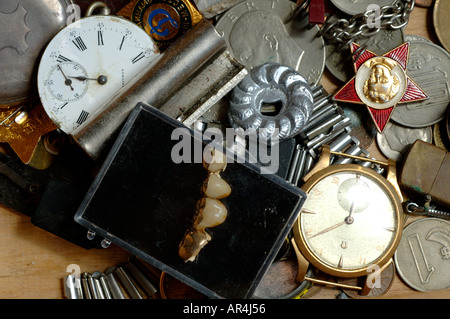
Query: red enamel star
point(381, 82)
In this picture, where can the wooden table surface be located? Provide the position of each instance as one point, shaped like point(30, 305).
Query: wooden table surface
point(33, 262)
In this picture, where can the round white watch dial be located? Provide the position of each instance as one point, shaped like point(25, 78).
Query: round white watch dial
point(63, 88)
point(89, 62)
point(348, 221)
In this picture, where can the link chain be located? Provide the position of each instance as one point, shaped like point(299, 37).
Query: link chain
point(343, 32)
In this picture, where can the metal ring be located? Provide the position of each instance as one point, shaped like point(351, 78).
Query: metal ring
point(271, 83)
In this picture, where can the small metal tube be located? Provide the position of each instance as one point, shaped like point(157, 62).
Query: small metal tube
point(309, 163)
point(300, 167)
point(325, 126)
point(294, 162)
point(72, 287)
point(320, 102)
point(353, 150)
point(85, 287)
point(327, 138)
point(127, 283)
point(317, 90)
point(140, 278)
point(340, 143)
point(102, 288)
point(113, 285)
point(316, 120)
point(327, 108)
point(92, 286)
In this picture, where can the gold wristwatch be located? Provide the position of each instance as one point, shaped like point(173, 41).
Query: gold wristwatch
point(351, 222)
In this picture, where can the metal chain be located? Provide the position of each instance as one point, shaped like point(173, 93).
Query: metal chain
point(343, 31)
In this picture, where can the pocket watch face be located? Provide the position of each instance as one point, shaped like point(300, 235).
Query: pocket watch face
point(89, 62)
point(349, 221)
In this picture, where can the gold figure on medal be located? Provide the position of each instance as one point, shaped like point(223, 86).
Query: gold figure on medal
point(382, 85)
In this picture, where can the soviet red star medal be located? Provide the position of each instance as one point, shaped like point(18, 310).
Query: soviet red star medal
point(381, 82)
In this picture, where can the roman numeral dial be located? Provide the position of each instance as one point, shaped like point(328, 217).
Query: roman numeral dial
point(86, 64)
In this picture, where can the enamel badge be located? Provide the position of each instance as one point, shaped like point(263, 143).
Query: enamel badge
point(381, 82)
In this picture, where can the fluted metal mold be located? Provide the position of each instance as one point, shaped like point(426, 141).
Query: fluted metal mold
point(271, 83)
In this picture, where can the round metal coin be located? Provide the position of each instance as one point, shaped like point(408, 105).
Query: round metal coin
point(353, 7)
point(380, 286)
point(26, 26)
point(413, 37)
point(395, 140)
point(429, 67)
point(423, 256)
point(437, 136)
point(446, 129)
point(267, 31)
point(441, 22)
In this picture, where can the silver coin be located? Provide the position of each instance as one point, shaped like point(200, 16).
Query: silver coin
point(340, 63)
point(26, 26)
point(396, 140)
point(422, 258)
point(429, 67)
point(413, 37)
point(353, 7)
point(264, 31)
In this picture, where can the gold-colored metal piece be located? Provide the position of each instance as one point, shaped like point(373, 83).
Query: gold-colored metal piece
point(382, 85)
point(23, 127)
point(441, 22)
point(426, 170)
point(163, 20)
point(303, 265)
point(322, 170)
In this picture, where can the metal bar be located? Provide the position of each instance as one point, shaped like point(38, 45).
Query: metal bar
point(169, 73)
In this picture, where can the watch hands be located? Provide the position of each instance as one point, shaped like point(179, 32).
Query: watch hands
point(102, 79)
point(67, 82)
point(328, 229)
point(348, 220)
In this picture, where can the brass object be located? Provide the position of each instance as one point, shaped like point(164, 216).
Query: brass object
point(163, 20)
point(426, 171)
point(387, 191)
point(441, 22)
point(382, 85)
point(23, 127)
